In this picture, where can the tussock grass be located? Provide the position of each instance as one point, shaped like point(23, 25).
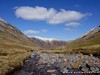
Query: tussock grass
point(93, 49)
point(11, 60)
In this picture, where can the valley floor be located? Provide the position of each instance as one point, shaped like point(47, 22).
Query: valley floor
point(60, 64)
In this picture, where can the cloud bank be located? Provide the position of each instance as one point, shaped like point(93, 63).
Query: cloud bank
point(51, 15)
point(74, 24)
point(34, 31)
point(68, 29)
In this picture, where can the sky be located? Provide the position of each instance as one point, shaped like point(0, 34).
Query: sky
point(61, 19)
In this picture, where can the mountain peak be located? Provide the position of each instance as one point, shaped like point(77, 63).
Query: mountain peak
point(98, 25)
point(92, 31)
point(46, 39)
point(97, 29)
point(2, 20)
point(48, 42)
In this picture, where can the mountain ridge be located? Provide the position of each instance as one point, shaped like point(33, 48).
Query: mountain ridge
point(48, 43)
point(45, 39)
point(92, 31)
point(88, 44)
point(11, 37)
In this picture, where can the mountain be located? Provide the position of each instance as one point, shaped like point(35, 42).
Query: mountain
point(87, 43)
point(11, 37)
point(90, 38)
point(92, 32)
point(48, 42)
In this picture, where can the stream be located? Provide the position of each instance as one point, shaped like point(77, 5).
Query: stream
point(60, 64)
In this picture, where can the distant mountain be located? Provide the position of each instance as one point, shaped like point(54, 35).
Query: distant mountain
point(87, 43)
point(48, 42)
point(11, 37)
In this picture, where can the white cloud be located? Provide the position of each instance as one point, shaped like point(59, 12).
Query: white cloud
point(34, 31)
point(68, 29)
point(35, 13)
point(74, 24)
point(66, 16)
point(31, 32)
point(51, 15)
point(43, 30)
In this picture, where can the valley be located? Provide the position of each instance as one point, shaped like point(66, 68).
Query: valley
point(23, 55)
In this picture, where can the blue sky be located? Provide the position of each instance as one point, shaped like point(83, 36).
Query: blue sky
point(61, 19)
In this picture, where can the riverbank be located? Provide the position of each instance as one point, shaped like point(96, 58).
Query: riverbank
point(60, 64)
point(10, 60)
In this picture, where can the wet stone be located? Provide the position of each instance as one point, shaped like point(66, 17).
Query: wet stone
point(53, 70)
point(64, 70)
point(95, 69)
point(59, 64)
point(85, 69)
point(21, 72)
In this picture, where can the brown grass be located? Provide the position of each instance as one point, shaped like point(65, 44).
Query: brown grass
point(11, 60)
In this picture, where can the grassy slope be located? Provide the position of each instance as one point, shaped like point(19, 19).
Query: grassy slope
point(87, 45)
point(11, 37)
point(13, 46)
